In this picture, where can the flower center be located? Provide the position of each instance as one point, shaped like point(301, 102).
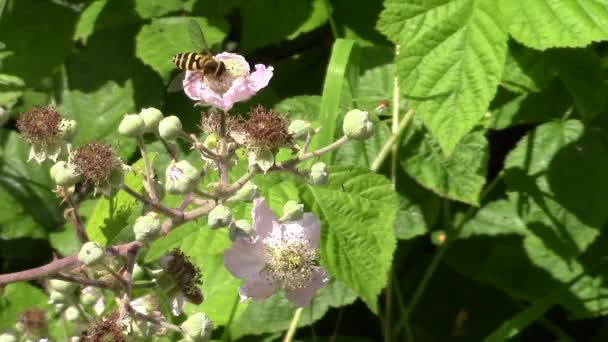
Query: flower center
point(234, 70)
point(291, 261)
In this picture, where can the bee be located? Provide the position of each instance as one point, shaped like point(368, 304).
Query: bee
point(202, 63)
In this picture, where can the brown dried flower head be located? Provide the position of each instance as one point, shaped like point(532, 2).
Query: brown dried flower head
point(186, 275)
point(40, 125)
point(105, 329)
point(211, 123)
point(33, 322)
point(266, 129)
point(96, 162)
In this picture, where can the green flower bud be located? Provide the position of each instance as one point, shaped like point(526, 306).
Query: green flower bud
point(56, 297)
point(292, 210)
point(220, 216)
point(239, 228)
point(300, 129)
point(211, 141)
point(170, 127)
point(72, 314)
point(68, 129)
point(198, 327)
point(131, 126)
point(8, 337)
point(64, 174)
point(147, 228)
point(181, 178)
point(91, 253)
point(246, 193)
point(263, 157)
point(152, 118)
point(318, 173)
point(62, 286)
point(138, 272)
point(357, 125)
point(438, 237)
point(90, 295)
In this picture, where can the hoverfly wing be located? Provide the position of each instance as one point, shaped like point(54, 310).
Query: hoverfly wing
point(197, 36)
point(180, 82)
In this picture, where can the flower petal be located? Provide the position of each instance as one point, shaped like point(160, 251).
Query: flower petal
point(264, 219)
point(194, 88)
point(259, 285)
point(309, 227)
point(260, 77)
point(244, 257)
point(302, 297)
point(177, 304)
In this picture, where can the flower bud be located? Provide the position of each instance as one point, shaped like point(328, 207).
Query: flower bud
point(131, 126)
point(318, 173)
point(245, 194)
point(198, 327)
point(138, 272)
point(300, 129)
point(147, 228)
point(89, 295)
point(181, 178)
point(357, 125)
point(292, 210)
point(91, 253)
point(62, 286)
point(64, 174)
point(438, 237)
point(211, 141)
point(56, 297)
point(220, 216)
point(240, 228)
point(8, 337)
point(170, 127)
point(68, 129)
point(152, 118)
point(72, 314)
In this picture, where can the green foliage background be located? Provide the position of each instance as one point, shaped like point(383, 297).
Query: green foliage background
point(506, 153)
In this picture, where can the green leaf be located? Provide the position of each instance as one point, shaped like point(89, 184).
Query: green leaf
point(112, 214)
point(274, 314)
point(39, 35)
point(460, 176)
point(527, 70)
point(16, 299)
point(353, 20)
point(102, 14)
point(153, 9)
point(418, 208)
point(357, 209)
point(452, 54)
point(542, 24)
point(162, 38)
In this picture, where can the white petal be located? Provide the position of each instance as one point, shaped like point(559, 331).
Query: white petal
point(177, 304)
point(264, 220)
point(303, 296)
point(245, 257)
point(258, 286)
point(99, 306)
point(309, 228)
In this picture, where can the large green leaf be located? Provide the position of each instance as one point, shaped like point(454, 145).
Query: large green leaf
point(459, 176)
point(162, 38)
point(102, 14)
point(39, 35)
point(452, 54)
point(543, 24)
point(527, 70)
point(18, 298)
point(357, 210)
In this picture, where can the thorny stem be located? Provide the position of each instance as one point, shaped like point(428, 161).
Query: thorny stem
point(154, 320)
point(223, 165)
point(115, 274)
point(128, 276)
point(197, 145)
point(168, 147)
point(293, 326)
point(306, 144)
point(386, 149)
point(313, 154)
point(80, 231)
point(241, 181)
point(149, 171)
point(85, 281)
point(156, 205)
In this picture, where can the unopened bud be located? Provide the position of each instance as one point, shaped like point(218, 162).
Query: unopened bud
point(131, 126)
point(211, 141)
point(72, 314)
point(62, 286)
point(300, 129)
point(245, 194)
point(90, 295)
point(181, 178)
point(220, 216)
point(68, 129)
point(64, 174)
point(152, 118)
point(240, 228)
point(91, 253)
point(292, 210)
point(357, 125)
point(147, 228)
point(170, 127)
point(198, 327)
point(56, 297)
point(318, 173)
point(8, 337)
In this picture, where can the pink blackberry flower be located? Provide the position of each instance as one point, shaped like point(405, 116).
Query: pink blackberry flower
point(278, 255)
point(237, 83)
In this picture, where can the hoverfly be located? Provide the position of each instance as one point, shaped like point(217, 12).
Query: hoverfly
point(202, 63)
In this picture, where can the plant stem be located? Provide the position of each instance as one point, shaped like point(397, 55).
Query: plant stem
point(154, 204)
point(293, 326)
point(80, 231)
point(226, 334)
point(332, 21)
point(155, 320)
point(223, 164)
point(85, 281)
point(149, 171)
point(313, 154)
point(241, 181)
point(386, 149)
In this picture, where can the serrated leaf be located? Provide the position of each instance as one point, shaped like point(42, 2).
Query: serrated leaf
point(112, 214)
point(527, 70)
point(543, 24)
point(357, 209)
point(162, 38)
point(460, 176)
point(452, 54)
point(419, 208)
